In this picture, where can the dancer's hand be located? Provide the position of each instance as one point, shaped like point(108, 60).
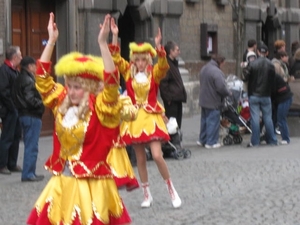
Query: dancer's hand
point(113, 27)
point(104, 30)
point(158, 38)
point(52, 30)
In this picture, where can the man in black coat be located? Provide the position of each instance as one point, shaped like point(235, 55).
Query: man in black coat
point(11, 130)
point(30, 106)
point(172, 90)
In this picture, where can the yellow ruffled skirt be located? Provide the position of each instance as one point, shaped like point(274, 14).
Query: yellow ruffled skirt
point(68, 200)
point(147, 127)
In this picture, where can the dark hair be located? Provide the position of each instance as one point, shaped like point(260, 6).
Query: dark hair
point(27, 60)
point(295, 45)
point(218, 58)
point(280, 54)
point(170, 45)
point(251, 43)
point(11, 51)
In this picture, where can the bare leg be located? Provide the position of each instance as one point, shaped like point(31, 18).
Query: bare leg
point(163, 169)
point(141, 160)
point(159, 160)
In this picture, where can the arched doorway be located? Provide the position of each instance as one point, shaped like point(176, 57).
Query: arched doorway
point(29, 31)
point(126, 34)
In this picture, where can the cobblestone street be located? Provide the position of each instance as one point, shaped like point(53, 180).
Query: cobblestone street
point(233, 185)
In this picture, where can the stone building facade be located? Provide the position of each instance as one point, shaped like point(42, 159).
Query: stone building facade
point(200, 27)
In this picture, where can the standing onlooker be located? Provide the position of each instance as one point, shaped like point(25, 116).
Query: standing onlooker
point(282, 98)
point(171, 87)
point(212, 92)
point(30, 107)
point(279, 45)
point(295, 69)
point(280, 62)
point(294, 47)
point(252, 45)
point(11, 130)
point(260, 76)
point(142, 80)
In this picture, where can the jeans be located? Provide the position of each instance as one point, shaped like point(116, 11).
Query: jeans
point(282, 111)
point(264, 105)
point(31, 132)
point(9, 141)
point(209, 127)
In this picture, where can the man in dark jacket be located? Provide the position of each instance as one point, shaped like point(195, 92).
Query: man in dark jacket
point(11, 130)
point(172, 90)
point(213, 90)
point(30, 107)
point(260, 76)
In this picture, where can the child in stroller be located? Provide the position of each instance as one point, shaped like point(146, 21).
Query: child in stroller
point(235, 113)
point(172, 148)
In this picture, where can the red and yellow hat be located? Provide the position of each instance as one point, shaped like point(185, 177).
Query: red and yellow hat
point(142, 48)
point(77, 64)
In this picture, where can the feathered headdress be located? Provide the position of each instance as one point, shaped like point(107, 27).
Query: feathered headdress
point(142, 48)
point(77, 64)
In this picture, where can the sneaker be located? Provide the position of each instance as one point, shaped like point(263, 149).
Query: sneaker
point(277, 131)
point(199, 144)
point(249, 145)
point(5, 171)
point(218, 145)
point(284, 142)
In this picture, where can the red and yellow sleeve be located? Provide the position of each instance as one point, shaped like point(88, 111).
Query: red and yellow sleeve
point(161, 68)
point(121, 63)
point(107, 105)
point(49, 90)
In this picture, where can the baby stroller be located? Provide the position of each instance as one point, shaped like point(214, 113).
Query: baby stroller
point(172, 148)
point(235, 113)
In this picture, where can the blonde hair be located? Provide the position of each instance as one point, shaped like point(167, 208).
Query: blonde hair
point(89, 86)
point(134, 57)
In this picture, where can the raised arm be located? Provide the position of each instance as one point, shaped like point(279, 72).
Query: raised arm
point(161, 67)
point(49, 90)
point(158, 38)
point(115, 31)
point(109, 65)
point(53, 35)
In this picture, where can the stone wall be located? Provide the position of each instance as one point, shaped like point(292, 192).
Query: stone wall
point(2, 28)
point(205, 12)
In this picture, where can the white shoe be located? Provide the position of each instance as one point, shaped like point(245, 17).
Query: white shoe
point(148, 200)
point(218, 145)
point(176, 201)
point(283, 142)
point(199, 143)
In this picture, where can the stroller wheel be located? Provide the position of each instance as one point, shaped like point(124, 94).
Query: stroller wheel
point(237, 139)
point(187, 153)
point(179, 155)
point(227, 140)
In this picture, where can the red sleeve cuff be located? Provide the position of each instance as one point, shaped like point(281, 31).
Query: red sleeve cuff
point(42, 67)
point(161, 52)
point(114, 48)
point(111, 77)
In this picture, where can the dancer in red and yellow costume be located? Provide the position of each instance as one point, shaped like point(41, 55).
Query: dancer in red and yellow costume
point(142, 84)
point(87, 145)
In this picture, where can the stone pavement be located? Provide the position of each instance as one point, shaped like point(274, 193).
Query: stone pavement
point(233, 185)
